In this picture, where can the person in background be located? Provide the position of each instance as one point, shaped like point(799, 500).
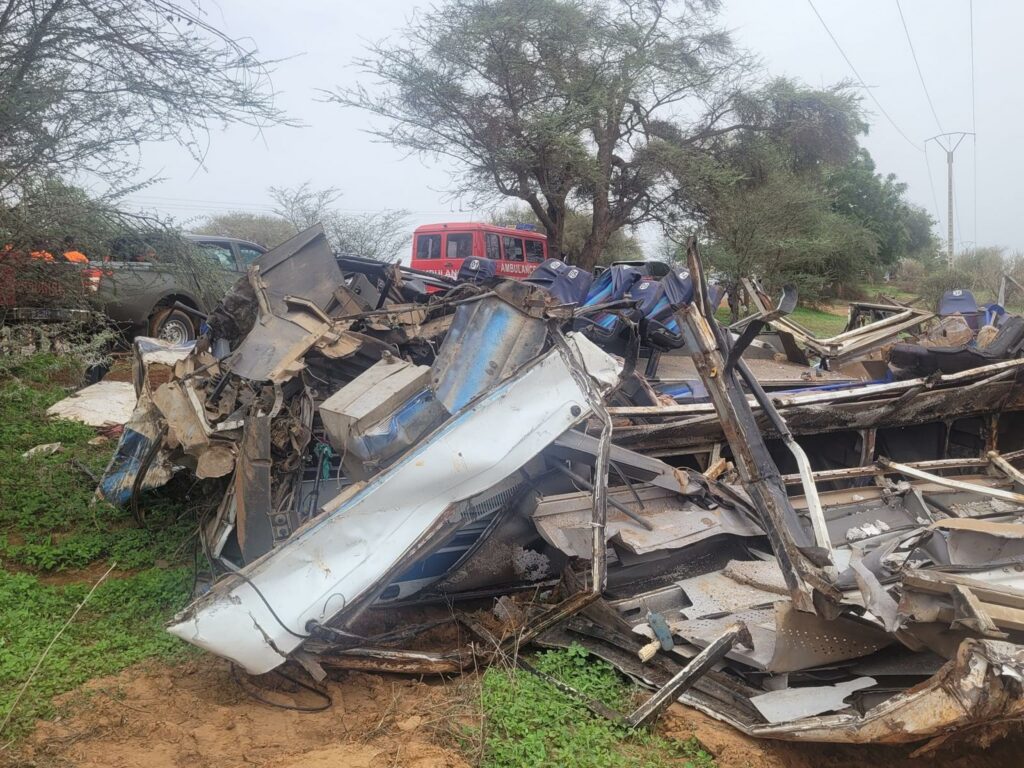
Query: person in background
point(73, 254)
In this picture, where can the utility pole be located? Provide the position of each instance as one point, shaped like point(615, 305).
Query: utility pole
point(945, 140)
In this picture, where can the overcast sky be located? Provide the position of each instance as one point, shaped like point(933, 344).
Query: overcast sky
point(323, 37)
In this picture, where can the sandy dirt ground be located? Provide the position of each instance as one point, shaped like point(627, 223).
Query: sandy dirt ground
point(196, 716)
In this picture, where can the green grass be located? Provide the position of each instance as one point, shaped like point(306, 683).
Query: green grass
point(821, 324)
point(529, 722)
point(50, 528)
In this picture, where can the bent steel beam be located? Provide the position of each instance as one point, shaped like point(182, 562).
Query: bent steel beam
point(801, 560)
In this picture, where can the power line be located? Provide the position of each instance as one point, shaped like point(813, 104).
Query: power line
point(917, 64)
point(974, 127)
point(860, 79)
point(946, 141)
point(159, 201)
point(931, 184)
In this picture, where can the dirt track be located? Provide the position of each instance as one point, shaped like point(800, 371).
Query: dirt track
point(195, 715)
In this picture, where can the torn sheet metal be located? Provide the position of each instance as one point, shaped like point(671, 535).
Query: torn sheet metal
point(341, 558)
point(802, 562)
point(981, 685)
point(487, 342)
point(564, 521)
point(380, 414)
point(787, 640)
point(797, 703)
point(98, 405)
point(716, 593)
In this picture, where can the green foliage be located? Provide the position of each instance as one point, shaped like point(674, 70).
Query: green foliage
point(48, 519)
point(531, 723)
point(622, 245)
point(558, 103)
point(777, 223)
point(49, 523)
point(901, 229)
point(947, 280)
point(381, 235)
point(120, 625)
point(269, 230)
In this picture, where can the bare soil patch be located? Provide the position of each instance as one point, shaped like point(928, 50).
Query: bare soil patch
point(196, 716)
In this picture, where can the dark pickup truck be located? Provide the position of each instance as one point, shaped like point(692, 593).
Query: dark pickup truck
point(147, 291)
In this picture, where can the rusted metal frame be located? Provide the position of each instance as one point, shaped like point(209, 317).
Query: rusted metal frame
point(1006, 467)
point(992, 434)
point(785, 324)
point(848, 349)
point(854, 393)
point(805, 580)
point(696, 668)
point(853, 473)
point(578, 446)
point(940, 583)
point(670, 437)
point(399, 661)
point(867, 446)
point(855, 341)
point(869, 329)
point(786, 305)
point(733, 361)
point(587, 485)
point(254, 518)
point(629, 484)
point(948, 482)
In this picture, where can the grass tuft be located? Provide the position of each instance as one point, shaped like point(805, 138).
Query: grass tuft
point(50, 528)
point(529, 722)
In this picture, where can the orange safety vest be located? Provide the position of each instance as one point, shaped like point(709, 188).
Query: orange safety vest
point(76, 256)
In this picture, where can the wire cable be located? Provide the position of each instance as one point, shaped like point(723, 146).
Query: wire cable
point(251, 691)
point(236, 572)
point(917, 64)
point(974, 126)
point(931, 183)
point(860, 79)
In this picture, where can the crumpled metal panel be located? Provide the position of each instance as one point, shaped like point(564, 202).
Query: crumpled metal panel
point(347, 554)
point(982, 684)
point(487, 342)
point(563, 520)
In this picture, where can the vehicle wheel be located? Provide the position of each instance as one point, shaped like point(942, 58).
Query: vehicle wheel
point(172, 325)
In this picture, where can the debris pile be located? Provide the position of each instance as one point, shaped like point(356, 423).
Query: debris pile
point(815, 555)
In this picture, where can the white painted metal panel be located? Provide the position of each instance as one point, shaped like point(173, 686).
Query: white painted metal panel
point(345, 553)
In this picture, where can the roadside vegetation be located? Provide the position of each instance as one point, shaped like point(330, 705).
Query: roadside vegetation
point(531, 723)
point(55, 544)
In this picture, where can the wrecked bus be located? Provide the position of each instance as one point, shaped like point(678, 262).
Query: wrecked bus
point(441, 248)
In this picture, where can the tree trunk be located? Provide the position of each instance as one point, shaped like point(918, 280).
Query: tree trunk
point(595, 243)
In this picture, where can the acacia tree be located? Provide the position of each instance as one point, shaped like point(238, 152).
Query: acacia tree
point(83, 83)
point(380, 235)
point(902, 229)
point(266, 229)
point(623, 245)
point(559, 103)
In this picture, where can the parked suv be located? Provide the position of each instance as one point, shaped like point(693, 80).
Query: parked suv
point(155, 284)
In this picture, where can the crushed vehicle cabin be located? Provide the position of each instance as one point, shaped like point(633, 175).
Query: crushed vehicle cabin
point(821, 553)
